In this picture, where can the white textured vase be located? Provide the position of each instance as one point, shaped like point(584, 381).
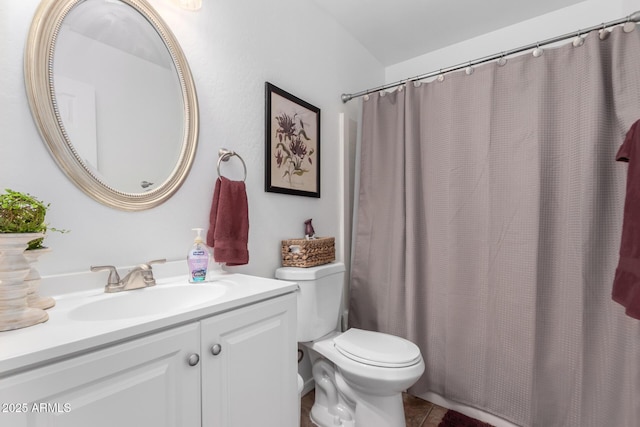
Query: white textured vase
point(15, 312)
point(34, 299)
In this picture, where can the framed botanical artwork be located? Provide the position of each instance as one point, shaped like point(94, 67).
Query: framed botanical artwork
point(292, 155)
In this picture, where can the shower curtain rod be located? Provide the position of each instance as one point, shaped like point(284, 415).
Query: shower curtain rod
point(634, 17)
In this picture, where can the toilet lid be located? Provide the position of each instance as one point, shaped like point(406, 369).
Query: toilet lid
point(377, 349)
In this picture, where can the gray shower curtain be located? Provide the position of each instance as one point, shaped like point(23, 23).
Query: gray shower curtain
point(488, 229)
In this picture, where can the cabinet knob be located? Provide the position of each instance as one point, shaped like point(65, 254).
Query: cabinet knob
point(193, 359)
point(216, 349)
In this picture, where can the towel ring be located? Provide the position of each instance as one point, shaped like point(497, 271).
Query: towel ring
point(224, 155)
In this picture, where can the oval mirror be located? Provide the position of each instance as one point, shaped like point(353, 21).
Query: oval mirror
point(112, 95)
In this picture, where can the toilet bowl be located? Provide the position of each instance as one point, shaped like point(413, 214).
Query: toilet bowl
point(362, 387)
point(359, 375)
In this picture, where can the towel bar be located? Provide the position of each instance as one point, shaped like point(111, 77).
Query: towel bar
point(224, 155)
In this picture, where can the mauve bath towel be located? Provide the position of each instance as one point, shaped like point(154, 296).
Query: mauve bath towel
point(228, 233)
point(626, 285)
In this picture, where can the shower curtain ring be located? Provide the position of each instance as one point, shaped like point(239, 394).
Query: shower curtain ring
point(604, 33)
point(537, 52)
point(441, 76)
point(469, 69)
point(629, 25)
point(578, 40)
point(503, 60)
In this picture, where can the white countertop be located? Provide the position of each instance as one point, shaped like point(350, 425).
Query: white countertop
point(63, 335)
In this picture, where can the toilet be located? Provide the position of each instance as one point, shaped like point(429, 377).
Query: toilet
point(359, 375)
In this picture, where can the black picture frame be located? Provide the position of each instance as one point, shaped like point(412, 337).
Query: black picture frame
point(292, 144)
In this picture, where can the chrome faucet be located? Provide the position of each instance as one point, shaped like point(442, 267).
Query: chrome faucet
point(138, 277)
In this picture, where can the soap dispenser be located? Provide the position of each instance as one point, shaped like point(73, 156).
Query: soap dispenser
point(198, 259)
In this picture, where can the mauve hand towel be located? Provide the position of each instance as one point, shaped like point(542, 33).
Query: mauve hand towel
point(228, 233)
point(626, 284)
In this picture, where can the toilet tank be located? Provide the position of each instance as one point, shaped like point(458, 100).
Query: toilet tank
point(319, 298)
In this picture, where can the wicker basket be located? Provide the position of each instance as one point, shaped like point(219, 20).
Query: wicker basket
point(308, 253)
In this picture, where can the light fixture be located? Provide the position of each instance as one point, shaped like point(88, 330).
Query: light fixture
point(189, 4)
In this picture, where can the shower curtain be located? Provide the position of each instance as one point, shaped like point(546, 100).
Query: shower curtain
point(488, 228)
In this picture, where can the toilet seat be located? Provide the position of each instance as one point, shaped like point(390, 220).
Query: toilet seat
point(377, 349)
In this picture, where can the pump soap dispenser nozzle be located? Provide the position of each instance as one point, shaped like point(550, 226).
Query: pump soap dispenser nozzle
point(198, 234)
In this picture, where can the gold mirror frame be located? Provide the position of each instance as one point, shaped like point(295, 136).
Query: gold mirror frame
point(38, 68)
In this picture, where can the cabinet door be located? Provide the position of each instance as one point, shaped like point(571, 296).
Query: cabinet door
point(252, 378)
point(144, 382)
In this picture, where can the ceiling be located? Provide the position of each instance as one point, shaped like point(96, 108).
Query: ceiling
point(397, 30)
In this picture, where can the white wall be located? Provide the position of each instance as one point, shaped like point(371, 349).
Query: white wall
point(582, 15)
point(233, 47)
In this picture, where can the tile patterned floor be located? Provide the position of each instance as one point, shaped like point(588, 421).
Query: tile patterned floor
point(418, 412)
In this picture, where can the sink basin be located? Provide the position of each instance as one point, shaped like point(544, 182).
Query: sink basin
point(147, 301)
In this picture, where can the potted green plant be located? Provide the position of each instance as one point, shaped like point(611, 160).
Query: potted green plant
point(22, 213)
point(22, 227)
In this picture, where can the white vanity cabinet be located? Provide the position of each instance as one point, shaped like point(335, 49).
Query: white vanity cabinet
point(237, 368)
point(144, 382)
point(249, 366)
